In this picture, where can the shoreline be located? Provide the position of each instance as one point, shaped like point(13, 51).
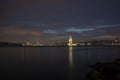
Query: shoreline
point(105, 71)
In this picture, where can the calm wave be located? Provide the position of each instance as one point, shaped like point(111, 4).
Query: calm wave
point(53, 63)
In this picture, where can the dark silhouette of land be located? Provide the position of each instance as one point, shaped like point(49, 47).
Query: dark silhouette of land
point(82, 43)
point(105, 71)
point(10, 44)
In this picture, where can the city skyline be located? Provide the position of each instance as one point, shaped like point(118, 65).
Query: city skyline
point(54, 20)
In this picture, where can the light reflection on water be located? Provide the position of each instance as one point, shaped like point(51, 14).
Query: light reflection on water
point(71, 66)
point(56, 63)
point(71, 57)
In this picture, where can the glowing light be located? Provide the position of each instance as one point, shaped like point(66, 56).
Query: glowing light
point(70, 43)
point(71, 56)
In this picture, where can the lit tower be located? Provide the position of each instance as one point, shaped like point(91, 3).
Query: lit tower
point(70, 42)
point(70, 39)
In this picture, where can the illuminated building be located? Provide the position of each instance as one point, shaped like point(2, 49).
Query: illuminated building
point(70, 42)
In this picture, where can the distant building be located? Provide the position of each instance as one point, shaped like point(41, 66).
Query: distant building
point(70, 41)
point(116, 42)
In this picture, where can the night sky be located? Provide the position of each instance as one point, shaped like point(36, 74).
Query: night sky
point(54, 20)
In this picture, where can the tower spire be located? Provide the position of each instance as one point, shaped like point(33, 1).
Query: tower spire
point(70, 39)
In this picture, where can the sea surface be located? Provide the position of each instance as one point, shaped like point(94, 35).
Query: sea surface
point(52, 63)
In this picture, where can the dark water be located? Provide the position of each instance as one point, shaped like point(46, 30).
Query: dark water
point(52, 63)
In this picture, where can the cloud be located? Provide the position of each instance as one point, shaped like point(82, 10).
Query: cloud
point(78, 30)
point(54, 38)
point(104, 37)
point(107, 26)
point(18, 31)
point(41, 2)
point(101, 21)
point(50, 31)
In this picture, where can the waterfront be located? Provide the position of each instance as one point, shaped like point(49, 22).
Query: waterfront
point(56, 63)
